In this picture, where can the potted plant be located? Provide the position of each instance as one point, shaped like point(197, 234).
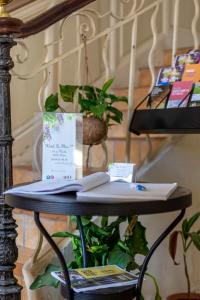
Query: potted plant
point(189, 238)
point(96, 104)
point(104, 245)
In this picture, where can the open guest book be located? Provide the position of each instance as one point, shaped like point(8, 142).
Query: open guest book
point(94, 278)
point(97, 187)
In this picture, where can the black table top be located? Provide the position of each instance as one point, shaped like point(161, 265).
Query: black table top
point(67, 204)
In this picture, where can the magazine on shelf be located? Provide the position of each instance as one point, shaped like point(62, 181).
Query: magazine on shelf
point(97, 187)
point(158, 96)
point(191, 73)
point(195, 99)
point(94, 278)
point(168, 76)
point(184, 59)
point(180, 94)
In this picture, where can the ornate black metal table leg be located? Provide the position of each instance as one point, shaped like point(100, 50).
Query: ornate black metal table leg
point(9, 289)
point(153, 248)
point(58, 253)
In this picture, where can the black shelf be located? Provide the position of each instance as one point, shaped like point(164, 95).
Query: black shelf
point(167, 120)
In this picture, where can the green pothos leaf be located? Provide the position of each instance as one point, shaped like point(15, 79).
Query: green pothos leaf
point(137, 242)
point(51, 103)
point(67, 92)
point(46, 278)
point(65, 234)
point(119, 258)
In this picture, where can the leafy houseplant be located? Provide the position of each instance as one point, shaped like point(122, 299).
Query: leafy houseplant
point(188, 238)
point(97, 106)
point(104, 245)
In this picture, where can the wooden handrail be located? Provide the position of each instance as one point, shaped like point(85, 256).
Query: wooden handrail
point(51, 16)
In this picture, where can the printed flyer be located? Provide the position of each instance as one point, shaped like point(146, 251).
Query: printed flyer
point(59, 153)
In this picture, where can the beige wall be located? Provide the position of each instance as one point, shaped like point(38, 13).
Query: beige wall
point(180, 164)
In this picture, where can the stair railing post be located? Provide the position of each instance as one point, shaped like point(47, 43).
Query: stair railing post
point(9, 289)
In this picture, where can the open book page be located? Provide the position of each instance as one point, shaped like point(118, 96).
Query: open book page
point(114, 191)
point(97, 278)
point(61, 186)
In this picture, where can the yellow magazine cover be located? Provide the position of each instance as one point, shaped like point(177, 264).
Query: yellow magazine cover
point(100, 271)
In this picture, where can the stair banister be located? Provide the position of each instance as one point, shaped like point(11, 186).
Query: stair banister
point(9, 29)
point(51, 16)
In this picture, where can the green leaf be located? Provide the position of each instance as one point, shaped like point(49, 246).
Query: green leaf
point(192, 220)
point(157, 295)
point(114, 118)
point(137, 242)
point(132, 266)
point(65, 234)
point(98, 249)
point(86, 220)
point(173, 245)
point(46, 278)
point(115, 98)
point(196, 239)
point(119, 258)
point(116, 223)
point(67, 92)
point(104, 221)
point(51, 103)
point(86, 104)
point(99, 110)
point(97, 231)
point(107, 84)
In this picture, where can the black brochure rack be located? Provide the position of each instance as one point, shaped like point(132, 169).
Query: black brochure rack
point(166, 120)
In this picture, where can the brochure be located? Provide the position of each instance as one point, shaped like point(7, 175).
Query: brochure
point(195, 99)
point(61, 146)
point(180, 92)
point(94, 278)
point(192, 73)
point(168, 76)
point(158, 96)
point(192, 57)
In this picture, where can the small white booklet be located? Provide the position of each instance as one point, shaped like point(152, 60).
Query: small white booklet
point(94, 278)
point(97, 187)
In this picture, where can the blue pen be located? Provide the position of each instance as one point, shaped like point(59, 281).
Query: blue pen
point(140, 187)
